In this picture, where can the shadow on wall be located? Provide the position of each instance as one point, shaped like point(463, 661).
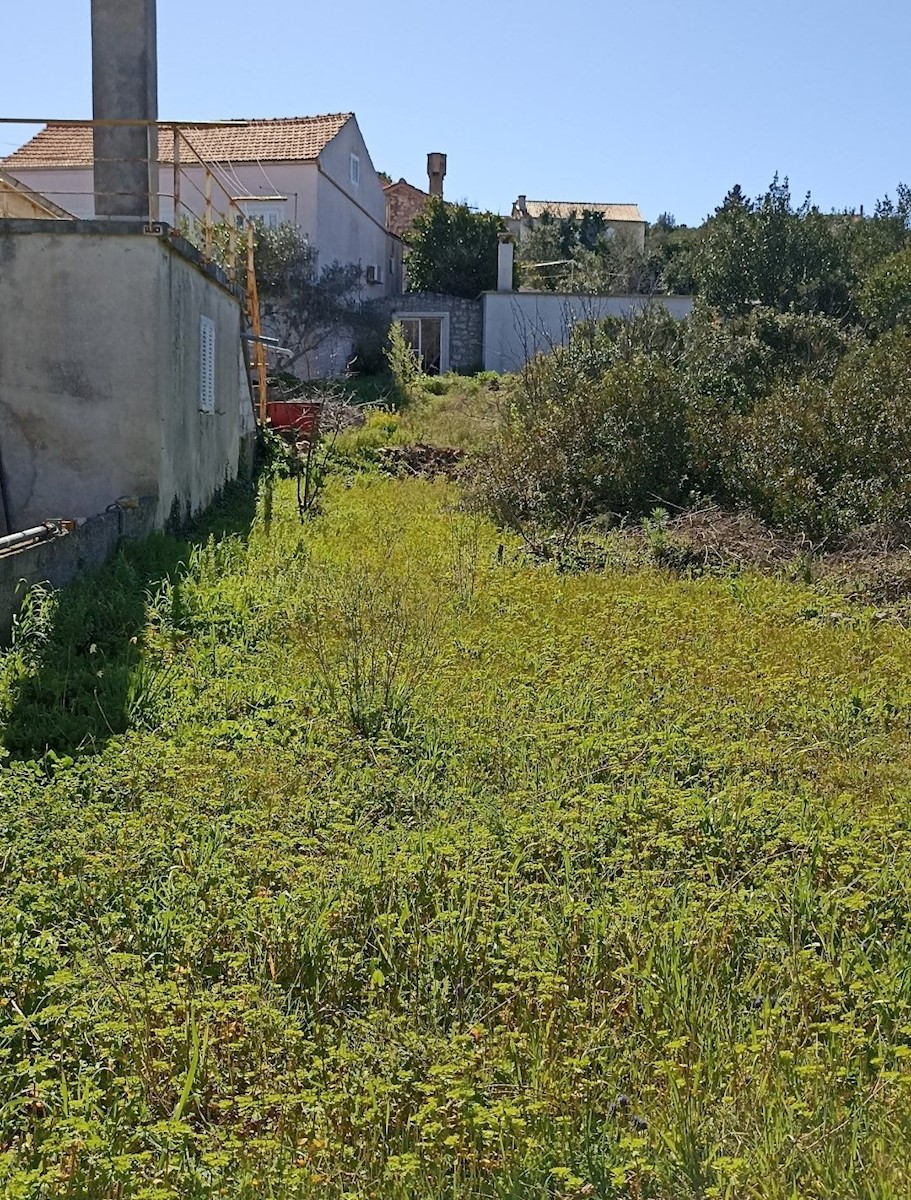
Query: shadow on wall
point(77, 663)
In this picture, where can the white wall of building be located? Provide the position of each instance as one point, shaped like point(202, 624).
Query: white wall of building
point(345, 219)
point(101, 369)
point(352, 216)
point(518, 325)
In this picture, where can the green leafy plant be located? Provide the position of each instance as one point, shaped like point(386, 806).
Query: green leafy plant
point(405, 366)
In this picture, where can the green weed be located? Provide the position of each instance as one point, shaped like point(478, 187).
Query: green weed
point(411, 869)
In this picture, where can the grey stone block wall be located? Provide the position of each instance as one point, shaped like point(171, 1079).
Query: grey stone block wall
point(466, 350)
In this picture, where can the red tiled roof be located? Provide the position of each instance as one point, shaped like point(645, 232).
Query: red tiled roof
point(280, 139)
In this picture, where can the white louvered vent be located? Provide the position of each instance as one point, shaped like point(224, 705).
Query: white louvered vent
point(206, 365)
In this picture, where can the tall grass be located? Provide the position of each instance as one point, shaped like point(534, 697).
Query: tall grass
point(606, 894)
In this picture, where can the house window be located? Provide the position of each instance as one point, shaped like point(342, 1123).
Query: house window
point(206, 365)
point(425, 337)
point(354, 168)
point(271, 215)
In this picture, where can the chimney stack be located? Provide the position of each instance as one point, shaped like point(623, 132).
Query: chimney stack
point(505, 253)
point(124, 86)
point(436, 172)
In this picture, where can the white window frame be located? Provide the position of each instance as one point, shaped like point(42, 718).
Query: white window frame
point(206, 365)
point(272, 214)
point(443, 318)
point(354, 169)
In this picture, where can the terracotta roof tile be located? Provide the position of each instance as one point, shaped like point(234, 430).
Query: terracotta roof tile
point(565, 208)
point(282, 139)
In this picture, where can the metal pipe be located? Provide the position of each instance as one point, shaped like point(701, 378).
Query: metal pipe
point(39, 533)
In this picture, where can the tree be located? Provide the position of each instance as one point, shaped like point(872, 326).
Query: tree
point(767, 252)
point(453, 250)
point(581, 253)
point(305, 308)
point(885, 299)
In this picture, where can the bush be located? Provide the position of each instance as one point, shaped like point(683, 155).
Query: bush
point(579, 441)
point(830, 458)
point(885, 300)
point(405, 366)
point(729, 367)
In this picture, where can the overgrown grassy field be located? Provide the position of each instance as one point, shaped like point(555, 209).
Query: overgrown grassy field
point(374, 861)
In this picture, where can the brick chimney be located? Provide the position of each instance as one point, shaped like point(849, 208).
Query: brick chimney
point(436, 172)
point(125, 85)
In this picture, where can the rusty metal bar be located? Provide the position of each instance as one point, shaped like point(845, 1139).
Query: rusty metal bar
point(90, 121)
point(207, 217)
point(259, 353)
point(176, 133)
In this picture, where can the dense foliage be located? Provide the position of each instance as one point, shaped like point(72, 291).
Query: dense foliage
point(453, 250)
point(765, 251)
point(776, 395)
point(581, 252)
point(392, 866)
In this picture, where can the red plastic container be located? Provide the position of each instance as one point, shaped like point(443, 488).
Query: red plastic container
point(302, 416)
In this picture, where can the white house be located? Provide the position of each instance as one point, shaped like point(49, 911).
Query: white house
point(313, 171)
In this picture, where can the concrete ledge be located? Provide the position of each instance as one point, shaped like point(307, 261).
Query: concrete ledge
point(125, 227)
point(59, 561)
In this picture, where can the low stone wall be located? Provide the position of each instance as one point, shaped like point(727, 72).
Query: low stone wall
point(59, 561)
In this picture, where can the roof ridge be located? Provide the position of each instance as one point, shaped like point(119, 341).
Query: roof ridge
point(254, 139)
point(589, 203)
point(238, 122)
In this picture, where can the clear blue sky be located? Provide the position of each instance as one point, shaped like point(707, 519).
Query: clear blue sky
point(665, 104)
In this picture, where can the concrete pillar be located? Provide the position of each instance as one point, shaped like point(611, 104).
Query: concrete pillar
point(436, 173)
point(124, 85)
point(505, 253)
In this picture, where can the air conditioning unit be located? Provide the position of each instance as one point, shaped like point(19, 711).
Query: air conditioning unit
point(374, 273)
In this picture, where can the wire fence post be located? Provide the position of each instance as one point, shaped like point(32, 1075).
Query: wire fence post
point(176, 216)
point(207, 219)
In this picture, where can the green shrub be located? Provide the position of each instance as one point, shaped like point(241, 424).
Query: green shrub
point(885, 300)
point(730, 366)
point(404, 365)
point(575, 445)
point(830, 458)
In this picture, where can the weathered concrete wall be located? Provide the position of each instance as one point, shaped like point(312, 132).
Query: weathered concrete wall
point(62, 559)
point(517, 325)
point(124, 86)
point(100, 356)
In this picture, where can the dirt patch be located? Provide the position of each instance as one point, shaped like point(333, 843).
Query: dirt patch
point(420, 459)
point(714, 538)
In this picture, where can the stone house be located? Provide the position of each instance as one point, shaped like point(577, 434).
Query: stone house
point(619, 219)
point(403, 203)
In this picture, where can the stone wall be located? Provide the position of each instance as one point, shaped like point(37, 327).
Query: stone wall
point(465, 346)
point(59, 561)
point(403, 203)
